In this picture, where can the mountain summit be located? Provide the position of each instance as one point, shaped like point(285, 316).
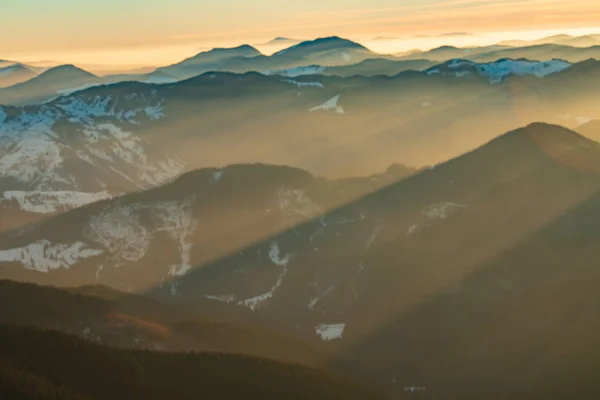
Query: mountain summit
point(14, 74)
point(210, 60)
point(47, 85)
point(332, 43)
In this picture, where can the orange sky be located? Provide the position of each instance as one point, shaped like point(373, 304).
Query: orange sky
point(157, 32)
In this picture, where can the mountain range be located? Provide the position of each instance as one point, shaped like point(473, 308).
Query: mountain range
point(540, 52)
point(20, 85)
point(108, 140)
point(481, 261)
point(563, 39)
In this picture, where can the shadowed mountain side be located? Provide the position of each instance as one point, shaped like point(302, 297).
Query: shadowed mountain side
point(17, 384)
point(523, 195)
point(117, 319)
point(153, 375)
point(218, 210)
point(523, 325)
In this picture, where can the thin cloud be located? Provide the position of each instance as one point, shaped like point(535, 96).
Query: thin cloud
point(437, 6)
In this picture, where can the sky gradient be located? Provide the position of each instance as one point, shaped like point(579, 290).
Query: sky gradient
point(157, 32)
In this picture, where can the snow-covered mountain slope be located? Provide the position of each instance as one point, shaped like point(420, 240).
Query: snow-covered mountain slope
point(48, 202)
point(42, 148)
point(499, 70)
point(77, 150)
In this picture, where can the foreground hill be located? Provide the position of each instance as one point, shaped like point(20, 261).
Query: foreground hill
point(128, 374)
point(106, 316)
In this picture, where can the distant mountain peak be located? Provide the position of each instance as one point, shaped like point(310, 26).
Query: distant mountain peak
point(66, 69)
point(445, 47)
point(220, 53)
point(280, 40)
point(553, 131)
point(240, 48)
point(331, 41)
point(563, 145)
point(336, 40)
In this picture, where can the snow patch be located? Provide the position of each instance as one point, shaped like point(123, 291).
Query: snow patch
point(31, 150)
point(443, 210)
point(498, 70)
point(216, 176)
point(413, 229)
point(331, 104)
point(315, 300)
point(275, 256)
point(119, 230)
point(296, 203)
point(413, 389)
point(373, 236)
point(298, 71)
point(329, 332)
point(176, 219)
point(44, 256)
point(224, 298)
point(304, 84)
point(51, 202)
point(255, 303)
